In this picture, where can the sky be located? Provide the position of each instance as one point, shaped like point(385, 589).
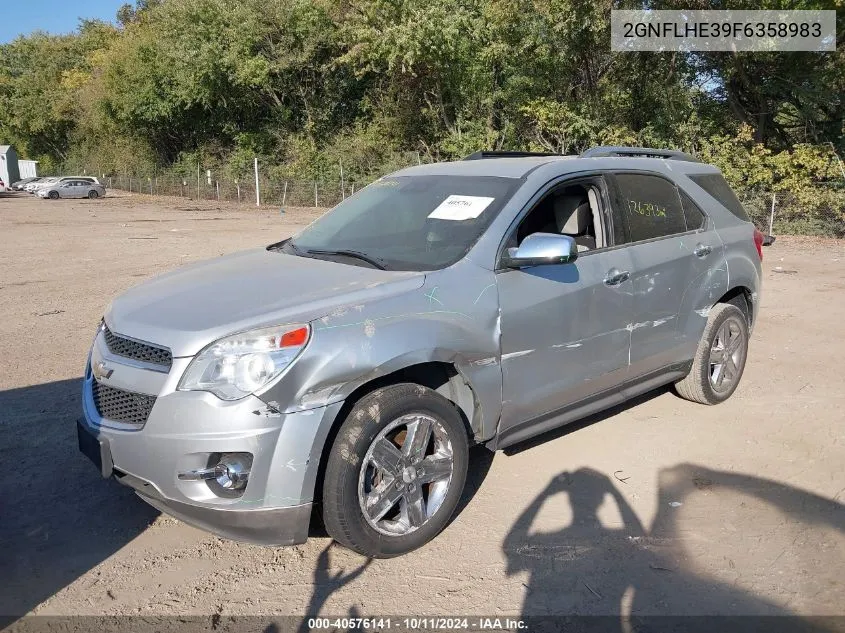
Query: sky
point(20, 17)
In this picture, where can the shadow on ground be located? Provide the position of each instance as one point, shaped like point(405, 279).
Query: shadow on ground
point(638, 575)
point(59, 518)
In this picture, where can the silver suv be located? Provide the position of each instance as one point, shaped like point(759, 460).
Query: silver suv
point(347, 370)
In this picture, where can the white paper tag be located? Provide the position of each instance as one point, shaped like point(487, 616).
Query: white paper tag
point(460, 208)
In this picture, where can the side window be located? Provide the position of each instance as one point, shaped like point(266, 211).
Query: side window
point(651, 206)
point(572, 209)
point(694, 216)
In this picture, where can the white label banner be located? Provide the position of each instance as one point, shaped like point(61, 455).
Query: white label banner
point(722, 30)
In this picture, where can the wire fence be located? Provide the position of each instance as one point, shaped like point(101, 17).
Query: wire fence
point(291, 193)
point(815, 211)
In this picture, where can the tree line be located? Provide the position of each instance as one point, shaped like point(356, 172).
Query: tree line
point(307, 84)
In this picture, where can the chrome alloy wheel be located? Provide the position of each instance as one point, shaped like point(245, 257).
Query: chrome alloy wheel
point(405, 474)
point(726, 355)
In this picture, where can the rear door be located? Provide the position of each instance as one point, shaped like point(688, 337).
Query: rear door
point(71, 189)
point(672, 253)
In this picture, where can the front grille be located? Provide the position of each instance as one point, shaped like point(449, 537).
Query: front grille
point(121, 406)
point(136, 350)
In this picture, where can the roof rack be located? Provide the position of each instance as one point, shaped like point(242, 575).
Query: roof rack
point(643, 152)
point(505, 154)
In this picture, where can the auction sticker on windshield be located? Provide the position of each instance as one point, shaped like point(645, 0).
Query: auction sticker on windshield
point(460, 208)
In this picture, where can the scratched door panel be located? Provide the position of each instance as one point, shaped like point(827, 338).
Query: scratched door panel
point(564, 333)
point(661, 254)
point(662, 272)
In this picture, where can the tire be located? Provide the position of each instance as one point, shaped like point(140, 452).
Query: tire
point(711, 382)
point(93, 195)
point(353, 480)
point(53, 195)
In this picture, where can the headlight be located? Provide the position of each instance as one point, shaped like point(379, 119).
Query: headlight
point(244, 363)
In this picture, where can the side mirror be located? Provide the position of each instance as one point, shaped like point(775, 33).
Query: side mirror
point(542, 249)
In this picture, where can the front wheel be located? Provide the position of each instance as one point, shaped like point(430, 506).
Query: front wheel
point(53, 195)
point(396, 471)
point(92, 195)
point(720, 358)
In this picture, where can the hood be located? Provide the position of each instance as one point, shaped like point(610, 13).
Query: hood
point(190, 307)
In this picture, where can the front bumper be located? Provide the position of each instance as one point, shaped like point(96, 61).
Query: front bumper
point(184, 429)
point(268, 526)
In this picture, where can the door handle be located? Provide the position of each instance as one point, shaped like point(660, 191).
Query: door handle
point(614, 277)
point(702, 250)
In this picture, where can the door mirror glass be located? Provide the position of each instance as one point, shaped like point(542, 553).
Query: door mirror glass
point(542, 249)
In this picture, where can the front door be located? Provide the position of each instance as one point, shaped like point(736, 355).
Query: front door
point(564, 328)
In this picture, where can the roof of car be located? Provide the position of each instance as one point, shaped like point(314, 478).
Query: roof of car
point(501, 167)
point(513, 167)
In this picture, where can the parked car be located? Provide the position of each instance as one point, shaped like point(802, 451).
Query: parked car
point(2, 186)
point(349, 368)
point(62, 179)
point(32, 187)
point(19, 185)
point(67, 188)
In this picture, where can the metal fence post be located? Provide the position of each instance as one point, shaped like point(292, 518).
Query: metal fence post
point(772, 214)
point(316, 202)
point(285, 193)
point(257, 194)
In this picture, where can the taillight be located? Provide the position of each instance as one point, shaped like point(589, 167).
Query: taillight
point(758, 242)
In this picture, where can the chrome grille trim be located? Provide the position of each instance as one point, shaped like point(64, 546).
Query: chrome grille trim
point(137, 350)
point(121, 406)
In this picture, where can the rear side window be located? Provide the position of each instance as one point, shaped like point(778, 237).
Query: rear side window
point(650, 205)
point(694, 216)
point(716, 186)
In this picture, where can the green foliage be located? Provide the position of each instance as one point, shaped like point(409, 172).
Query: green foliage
point(308, 86)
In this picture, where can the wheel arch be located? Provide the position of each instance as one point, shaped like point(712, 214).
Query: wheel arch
point(439, 376)
point(742, 298)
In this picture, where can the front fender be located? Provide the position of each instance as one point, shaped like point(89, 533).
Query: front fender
point(453, 318)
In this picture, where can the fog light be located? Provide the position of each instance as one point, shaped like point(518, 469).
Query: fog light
point(233, 470)
point(227, 474)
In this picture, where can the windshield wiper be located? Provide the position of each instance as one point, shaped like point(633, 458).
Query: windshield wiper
point(278, 246)
point(375, 261)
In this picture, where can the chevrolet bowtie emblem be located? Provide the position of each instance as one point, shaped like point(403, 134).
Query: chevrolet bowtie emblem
point(101, 370)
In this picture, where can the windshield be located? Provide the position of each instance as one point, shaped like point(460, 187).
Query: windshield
point(407, 222)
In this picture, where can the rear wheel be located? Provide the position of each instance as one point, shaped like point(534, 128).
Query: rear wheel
point(53, 195)
point(720, 358)
point(93, 194)
point(396, 471)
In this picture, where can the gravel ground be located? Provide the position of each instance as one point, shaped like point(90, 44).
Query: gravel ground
point(660, 506)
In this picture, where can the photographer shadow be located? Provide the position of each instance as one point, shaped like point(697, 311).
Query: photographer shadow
point(629, 578)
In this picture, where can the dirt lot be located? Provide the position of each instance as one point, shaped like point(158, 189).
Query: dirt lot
point(661, 506)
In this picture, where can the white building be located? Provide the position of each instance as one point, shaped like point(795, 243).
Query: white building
point(8, 165)
point(27, 168)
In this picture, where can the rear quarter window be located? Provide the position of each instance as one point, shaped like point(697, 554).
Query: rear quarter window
point(694, 215)
point(717, 186)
